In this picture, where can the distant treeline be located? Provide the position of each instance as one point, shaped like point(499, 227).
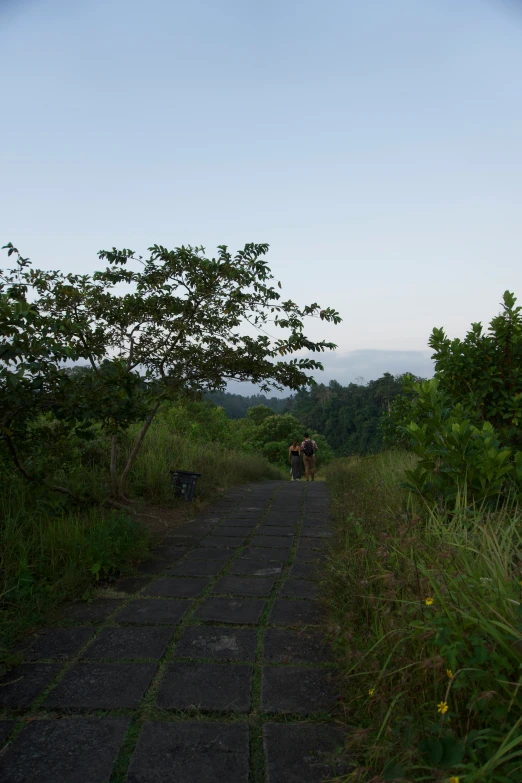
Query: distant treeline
point(236, 406)
point(347, 416)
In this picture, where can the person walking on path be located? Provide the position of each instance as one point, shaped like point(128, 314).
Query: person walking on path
point(309, 448)
point(294, 455)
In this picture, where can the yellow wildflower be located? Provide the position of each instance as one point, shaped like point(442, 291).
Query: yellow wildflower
point(428, 601)
point(449, 672)
point(371, 691)
point(442, 707)
point(454, 779)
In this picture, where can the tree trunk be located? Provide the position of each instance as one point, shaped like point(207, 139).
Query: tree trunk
point(135, 450)
point(114, 466)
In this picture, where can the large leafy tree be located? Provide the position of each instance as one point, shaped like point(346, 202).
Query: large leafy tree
point(483, 371)
point(176, 322)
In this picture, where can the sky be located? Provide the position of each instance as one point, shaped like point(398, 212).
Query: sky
point(376, 146)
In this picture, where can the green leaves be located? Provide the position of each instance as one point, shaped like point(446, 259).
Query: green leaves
point(456, 457)
point(444, 752)
point(144, 330)
point(483, 372)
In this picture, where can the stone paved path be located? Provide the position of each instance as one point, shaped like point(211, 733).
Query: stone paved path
point(207, 667)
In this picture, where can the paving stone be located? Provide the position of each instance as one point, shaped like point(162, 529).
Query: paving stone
point(287, 612)
point(205, 686)
point(219, 644)
point(190, 752)
point(266, 553)
point(299, 588)
point(178, 540)
point(22, 685)
point(196, 568)
point(153, 611)
point(82, 750)
point(153, 567)
point(131, 584)
point(303, 752)
point(236, 611)
point(178, 587)
point(258, 508)
point(282, 646)
point(6, 727)
point(171, 553)
point(237, 585)
point(59, 644)
point(290, 520)
point(128, 643)
point(223, 542)
point(315, 532)
point(96, 611)
point(273, 541)
point(256, 567)
point(237, 524)
point(297, 689)
point(101, 686)
point(210, 519)
point(268, 530)
point(194, 528)
point(309, 556)
point(219, 555)
point(308, 542)
point(303, 570)
point(235, 532)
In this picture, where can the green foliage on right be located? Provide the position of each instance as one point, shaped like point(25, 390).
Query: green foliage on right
point(464, 425)
point(483, 372)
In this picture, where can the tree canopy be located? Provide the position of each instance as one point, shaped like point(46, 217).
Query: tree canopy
point(173, 323)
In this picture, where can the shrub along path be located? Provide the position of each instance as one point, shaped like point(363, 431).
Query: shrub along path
point(208, 666)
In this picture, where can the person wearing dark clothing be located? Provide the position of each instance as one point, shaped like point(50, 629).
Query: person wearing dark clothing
point(294, 454)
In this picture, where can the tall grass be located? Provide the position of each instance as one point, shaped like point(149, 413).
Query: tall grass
point(51, 550)
point(49, 553)
point(426, 620)
point(166, 449)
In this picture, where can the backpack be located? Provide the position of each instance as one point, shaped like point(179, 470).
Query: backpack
point(308, 448)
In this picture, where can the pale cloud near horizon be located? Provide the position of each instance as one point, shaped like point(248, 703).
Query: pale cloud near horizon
point(358, 367)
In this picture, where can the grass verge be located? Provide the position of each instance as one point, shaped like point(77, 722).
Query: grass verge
point(48, 555)
point(51, 551)
point(426, 619)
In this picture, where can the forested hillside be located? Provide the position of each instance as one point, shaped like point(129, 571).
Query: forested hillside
point(347, 416)
point(236, 405)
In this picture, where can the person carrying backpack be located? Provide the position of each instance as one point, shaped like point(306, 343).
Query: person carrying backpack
point(308, 450)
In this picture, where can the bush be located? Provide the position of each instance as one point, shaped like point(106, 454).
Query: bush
point(483, 372)
point(459, 461)
point(464, 424)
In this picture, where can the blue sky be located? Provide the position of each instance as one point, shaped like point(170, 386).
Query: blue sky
point(375, 145)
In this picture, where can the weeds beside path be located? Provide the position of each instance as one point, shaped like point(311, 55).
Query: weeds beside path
point(51, 550)
point(426, 619)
